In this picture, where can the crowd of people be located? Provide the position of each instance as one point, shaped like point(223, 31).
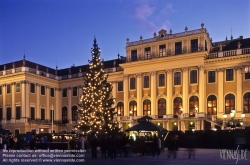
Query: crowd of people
point(111, 146)
point(118, 145)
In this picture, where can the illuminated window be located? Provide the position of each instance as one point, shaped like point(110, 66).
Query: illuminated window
point(246, 101)
point(229, 103)
point(132, 108)
point(193, 105)
point(120, 109)
point(212, 105)
point(161, 107)
point(146, 107)
point(247, 73)
point(177, 105)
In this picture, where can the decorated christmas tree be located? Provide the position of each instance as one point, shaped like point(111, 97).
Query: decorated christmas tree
point(96, 112)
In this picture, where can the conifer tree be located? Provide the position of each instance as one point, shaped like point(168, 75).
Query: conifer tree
point(96, 112)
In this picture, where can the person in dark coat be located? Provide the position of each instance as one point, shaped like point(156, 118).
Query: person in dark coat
point(190, 145)
point(173, 146)
point(113, 146)
point(104, 146)
point(155, 145)
point(93, 144)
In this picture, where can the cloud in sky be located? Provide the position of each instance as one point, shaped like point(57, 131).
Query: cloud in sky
point(152, 16)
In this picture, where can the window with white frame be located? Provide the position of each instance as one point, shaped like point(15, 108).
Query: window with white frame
point(120, 86)
point(229, 74)
point(247, 73)
point(42, 90)
point(193, 76)
point(146, 82)
point(132, 83)
point(18, 86)
point(8, 88)
point(161, 80)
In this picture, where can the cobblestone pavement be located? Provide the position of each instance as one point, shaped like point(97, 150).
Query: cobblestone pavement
point(202, 156)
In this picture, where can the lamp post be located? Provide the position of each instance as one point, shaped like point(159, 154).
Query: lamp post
point(52, 116)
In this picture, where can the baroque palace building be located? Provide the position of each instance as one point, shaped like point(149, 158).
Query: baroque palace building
point(183, 80)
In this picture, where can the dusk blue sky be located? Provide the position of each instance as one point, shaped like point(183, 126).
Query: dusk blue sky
point(61, 32)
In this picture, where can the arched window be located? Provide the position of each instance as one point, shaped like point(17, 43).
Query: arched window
point(120, 109)
point(193, 105)
point(229, 103)
point(161, 107)
point(246, 102)
point(133, 108)
point(64, 115)
point(74, 113)
point(146, 107)
point(212, 105)
point(177, 105)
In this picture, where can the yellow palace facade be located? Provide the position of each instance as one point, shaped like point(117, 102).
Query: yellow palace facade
point(182, 80)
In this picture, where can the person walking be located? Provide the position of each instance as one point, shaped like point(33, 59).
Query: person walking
point(93, 144)
point(159, 146)
point(154, 145)
point(190, 145)
point(104, 147)
point(172, 147)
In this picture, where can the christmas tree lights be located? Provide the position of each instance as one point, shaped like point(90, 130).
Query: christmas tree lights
point(96, 112)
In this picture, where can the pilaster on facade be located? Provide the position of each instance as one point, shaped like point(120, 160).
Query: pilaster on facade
point(48, 106)
point(69, 94)
point(13, 101)
point(239, 78)
point(185, 90)
point(201, 89)
point(126, 87)
point(27, 100)
point(169, 91)
point(139, 93)
point(153, 92)
point(220, 77)
point(38, 108)
point(4, 102)
point(58, 111)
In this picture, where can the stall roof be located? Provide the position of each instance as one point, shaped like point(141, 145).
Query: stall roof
point(146, 126)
